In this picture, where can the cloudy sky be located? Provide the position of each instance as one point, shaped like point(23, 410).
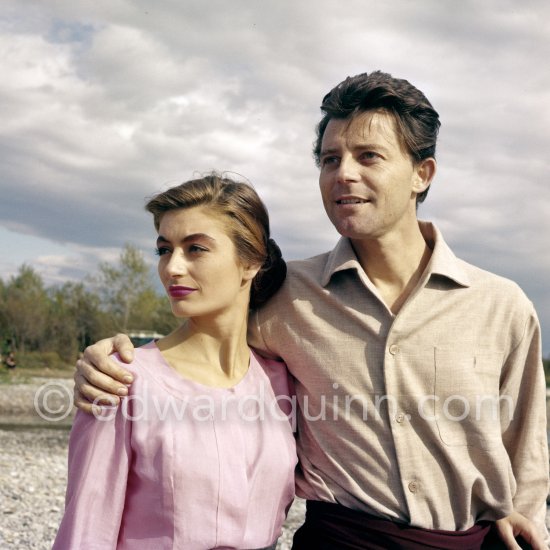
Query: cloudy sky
point(103, 103)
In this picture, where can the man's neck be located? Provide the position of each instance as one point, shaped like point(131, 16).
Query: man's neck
point(394, 264)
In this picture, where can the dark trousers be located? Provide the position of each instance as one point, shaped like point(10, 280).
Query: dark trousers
point(331, 526)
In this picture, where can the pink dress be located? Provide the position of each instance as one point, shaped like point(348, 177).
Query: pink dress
point(182, 465)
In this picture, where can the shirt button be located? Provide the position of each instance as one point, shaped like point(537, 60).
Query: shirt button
point(400, 417)
point(413, 487)
point(394, 348)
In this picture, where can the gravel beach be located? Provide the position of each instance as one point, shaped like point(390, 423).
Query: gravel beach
point(33, 476)
point(33, 463)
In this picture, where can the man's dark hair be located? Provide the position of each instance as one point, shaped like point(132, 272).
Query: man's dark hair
point(417, 121)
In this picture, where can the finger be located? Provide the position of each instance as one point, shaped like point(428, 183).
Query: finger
point(97, 356)
point(101, 389)
point(84, 405)
point(107, 372)
point(123, 345)
point(534, 539)
point(525, 529)
point(80, 401)
point(506, 535)
point(510, 542)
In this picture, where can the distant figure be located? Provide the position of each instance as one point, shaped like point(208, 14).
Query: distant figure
point(11, 363)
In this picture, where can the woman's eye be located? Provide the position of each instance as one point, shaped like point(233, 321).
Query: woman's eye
point(197, 249)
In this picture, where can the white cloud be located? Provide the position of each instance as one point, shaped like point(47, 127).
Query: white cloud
point(102, 104)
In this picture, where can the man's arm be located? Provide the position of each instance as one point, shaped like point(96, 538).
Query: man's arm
point(98, 378)
point(524, 434)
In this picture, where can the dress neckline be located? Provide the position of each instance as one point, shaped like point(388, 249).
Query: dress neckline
point(166, 375)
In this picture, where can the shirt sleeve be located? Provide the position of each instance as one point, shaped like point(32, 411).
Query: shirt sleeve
point(256, 337)
point(99, 458)
point(524, 434)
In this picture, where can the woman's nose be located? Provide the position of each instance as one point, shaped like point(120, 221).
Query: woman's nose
point(176, 265)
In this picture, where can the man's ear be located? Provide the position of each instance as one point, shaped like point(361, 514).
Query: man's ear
point(425, 172)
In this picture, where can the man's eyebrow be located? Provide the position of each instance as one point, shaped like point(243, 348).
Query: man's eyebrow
point(192, 237)
point(358, 147)
point(329, 151)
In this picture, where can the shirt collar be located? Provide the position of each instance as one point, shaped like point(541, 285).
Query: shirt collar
point(442, 262)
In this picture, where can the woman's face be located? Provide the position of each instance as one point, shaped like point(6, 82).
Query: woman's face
point(198, 264)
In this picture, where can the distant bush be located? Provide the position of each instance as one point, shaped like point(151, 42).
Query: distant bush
point(41, 360)
point(546, 363)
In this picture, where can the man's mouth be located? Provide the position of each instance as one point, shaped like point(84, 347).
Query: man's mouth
point(351, 201)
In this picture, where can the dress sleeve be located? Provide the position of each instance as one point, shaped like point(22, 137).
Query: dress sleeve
point(99, 458)
point(524, 433)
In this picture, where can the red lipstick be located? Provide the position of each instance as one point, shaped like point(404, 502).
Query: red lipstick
point(180, 291)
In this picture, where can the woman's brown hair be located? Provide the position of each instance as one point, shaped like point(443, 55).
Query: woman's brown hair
point(247, 221)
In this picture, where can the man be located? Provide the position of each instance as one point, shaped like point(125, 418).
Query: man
point(11, 363)
point(419, 380)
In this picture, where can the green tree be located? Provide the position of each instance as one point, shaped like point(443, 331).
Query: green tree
point(26, 310)
point(3, 319)
point(127, 293)
point(75, 319)
point(165, 322)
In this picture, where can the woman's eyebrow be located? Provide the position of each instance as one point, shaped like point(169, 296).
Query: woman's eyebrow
point(192, 237)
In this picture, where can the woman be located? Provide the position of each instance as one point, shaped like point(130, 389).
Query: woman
point(200, 455)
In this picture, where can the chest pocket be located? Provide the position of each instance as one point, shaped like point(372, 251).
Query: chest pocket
point(467, 398)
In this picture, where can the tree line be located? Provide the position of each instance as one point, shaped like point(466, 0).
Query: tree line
point(68, 317)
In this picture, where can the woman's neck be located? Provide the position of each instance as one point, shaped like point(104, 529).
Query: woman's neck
point(213, 352)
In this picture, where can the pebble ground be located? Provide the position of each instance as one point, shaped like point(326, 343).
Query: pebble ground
point(33, 477)
point(33, 473)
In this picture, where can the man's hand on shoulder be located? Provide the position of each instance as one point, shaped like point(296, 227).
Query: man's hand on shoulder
point(99, 380)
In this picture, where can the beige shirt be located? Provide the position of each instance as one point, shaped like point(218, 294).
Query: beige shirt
point(435, 416)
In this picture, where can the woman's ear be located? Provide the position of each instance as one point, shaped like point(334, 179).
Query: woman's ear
point(425, 173)
point(249, 272)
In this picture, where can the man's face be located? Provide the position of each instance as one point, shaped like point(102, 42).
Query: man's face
point(368, 181)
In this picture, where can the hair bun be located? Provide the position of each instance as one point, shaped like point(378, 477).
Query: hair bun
point(270, 277)
point(274, 253)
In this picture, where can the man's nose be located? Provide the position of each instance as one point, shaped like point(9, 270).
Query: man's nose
point(348, 169)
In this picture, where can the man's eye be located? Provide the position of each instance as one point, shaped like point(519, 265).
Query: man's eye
point(369, 155)
point(326, 161)
point(161, 251)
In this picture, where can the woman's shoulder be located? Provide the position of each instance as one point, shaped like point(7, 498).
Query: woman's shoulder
point(144, 357)
point(276, 371)
point(267, 363)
